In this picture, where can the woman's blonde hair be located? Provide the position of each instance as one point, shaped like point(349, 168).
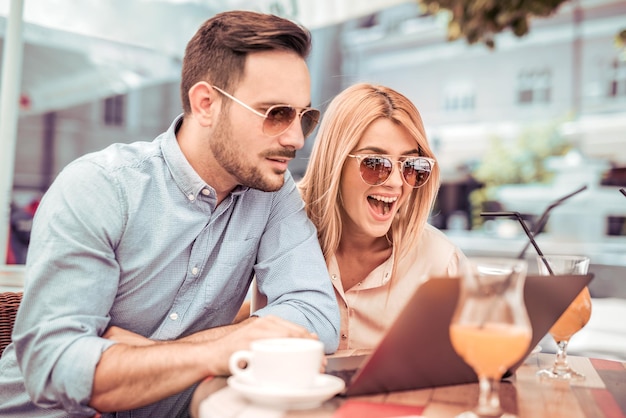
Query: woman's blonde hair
point(348, 115)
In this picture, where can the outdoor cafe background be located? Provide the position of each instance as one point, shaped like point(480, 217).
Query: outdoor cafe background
point(516, 122)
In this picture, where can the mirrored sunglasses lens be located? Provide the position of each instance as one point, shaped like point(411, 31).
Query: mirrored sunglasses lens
point(416, 171)
point(278, 119)
point(375, 170)
point(309, 121)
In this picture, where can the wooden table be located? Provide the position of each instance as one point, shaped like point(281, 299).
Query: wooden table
point(601, 395)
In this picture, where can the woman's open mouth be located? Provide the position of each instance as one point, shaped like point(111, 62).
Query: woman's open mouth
point(381, 205)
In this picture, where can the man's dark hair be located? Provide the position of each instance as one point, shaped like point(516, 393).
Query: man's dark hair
point(217, 52)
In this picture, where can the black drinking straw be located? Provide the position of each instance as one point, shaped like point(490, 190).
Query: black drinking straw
point(623, 191)
point(526, 230)
point(544, 216)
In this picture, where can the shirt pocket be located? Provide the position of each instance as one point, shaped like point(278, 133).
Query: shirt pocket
point(230, 275)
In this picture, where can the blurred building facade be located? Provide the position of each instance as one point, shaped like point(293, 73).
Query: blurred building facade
point(567, 69)
point(48, 142)
point(567, 73)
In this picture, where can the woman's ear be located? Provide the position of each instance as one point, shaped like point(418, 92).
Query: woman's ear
point(204, 106)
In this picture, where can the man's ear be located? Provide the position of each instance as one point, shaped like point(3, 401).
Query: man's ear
point(204, 106)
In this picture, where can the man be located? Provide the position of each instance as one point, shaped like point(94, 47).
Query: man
point(141, 254)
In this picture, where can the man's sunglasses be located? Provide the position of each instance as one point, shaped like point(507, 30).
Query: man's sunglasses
point(278, 118)
point(376, 169)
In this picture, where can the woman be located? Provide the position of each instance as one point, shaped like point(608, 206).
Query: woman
point(369, 188)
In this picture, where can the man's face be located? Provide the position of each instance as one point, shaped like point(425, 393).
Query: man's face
point(239, 144)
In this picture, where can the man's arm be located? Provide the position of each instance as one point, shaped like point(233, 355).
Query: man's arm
point(121, 335)
point(243, 313)
point(291, 271)
point(137, 371)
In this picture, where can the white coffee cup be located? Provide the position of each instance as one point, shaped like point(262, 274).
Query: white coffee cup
point(283, 363)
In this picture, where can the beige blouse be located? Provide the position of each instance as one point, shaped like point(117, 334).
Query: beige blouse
point(371, 306)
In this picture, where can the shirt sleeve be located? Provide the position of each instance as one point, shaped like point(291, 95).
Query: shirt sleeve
point(72, 278)
point(455, 262)
point(291, 271)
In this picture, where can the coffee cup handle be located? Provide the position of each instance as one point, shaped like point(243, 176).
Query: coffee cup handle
point(236, 358)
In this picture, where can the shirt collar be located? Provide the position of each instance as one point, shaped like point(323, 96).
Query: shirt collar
point(188, 181)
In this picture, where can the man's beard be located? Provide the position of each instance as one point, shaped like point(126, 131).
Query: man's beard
point(236, 165)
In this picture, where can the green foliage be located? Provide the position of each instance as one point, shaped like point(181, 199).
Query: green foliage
point(520, 160)
point(516, 161)
point(620, 44)
point(620, 39)
point(480, 20)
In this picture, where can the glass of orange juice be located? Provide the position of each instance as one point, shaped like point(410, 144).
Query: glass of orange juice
point(490, 329)
point(573, 319)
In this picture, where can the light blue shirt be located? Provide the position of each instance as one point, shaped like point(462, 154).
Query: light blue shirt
point(131, 236)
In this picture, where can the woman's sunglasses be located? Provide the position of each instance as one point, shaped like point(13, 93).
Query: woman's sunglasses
point(278, 118)
point(376, 169)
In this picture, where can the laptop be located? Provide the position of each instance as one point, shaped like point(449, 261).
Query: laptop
point(416, 351)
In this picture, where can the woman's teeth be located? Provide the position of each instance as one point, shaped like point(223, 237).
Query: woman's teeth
point(382, 203)
point(384, 198)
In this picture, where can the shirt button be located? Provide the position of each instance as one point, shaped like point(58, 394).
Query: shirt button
point(344, 336)
point(194, 271)
point(333, 277)
point(191, 197)
point(206, 192)
point(174, 316)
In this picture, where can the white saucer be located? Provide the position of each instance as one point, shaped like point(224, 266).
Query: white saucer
point(324, 388)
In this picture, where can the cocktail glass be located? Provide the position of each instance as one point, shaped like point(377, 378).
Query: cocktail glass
point(572, 320)
point(490, 329)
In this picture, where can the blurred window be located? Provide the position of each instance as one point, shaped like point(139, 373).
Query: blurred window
point(617, 84)
point(459, 98)
point(616, 226)
point(534, 86)
point(114, 110)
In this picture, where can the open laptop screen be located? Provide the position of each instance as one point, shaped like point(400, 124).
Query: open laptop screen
point(416, 351)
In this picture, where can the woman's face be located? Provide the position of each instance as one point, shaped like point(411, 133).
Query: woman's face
point(368, 210)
